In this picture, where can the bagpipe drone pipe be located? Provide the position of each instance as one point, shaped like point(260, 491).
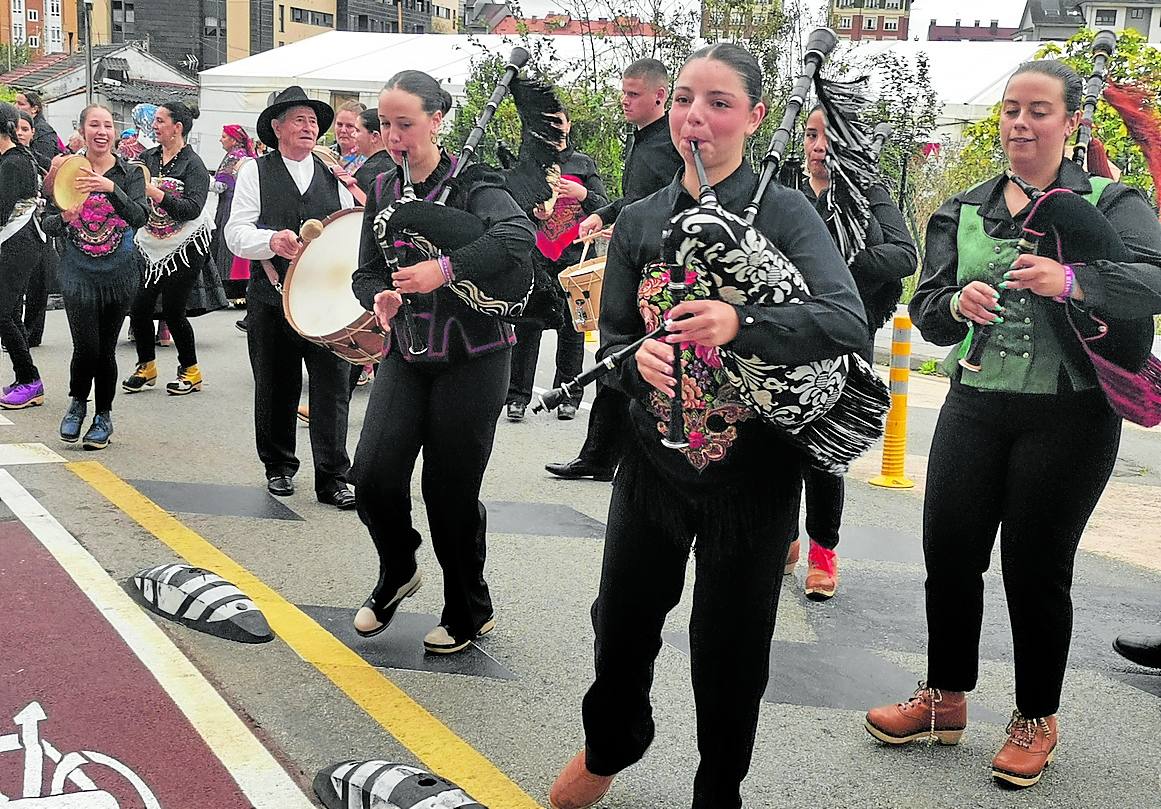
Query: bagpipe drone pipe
point(435, 228)
point(832, 409)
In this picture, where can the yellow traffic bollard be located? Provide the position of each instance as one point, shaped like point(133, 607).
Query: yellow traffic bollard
point(591, 336)
point(895, 439)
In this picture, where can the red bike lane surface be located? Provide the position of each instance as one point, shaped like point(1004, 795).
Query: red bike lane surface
point(67, 677)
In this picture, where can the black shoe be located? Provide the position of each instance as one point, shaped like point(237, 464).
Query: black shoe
point(1142, 649)
point(516, 411)
point(280, 486)
point(566, 412)
point(74, 418)
point(340, 497)
point(240, 325)
point(381, 613)
point(100, 432)
point(579, 468)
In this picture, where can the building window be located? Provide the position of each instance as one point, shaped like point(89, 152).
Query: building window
point(282, 20)
point(297, 15)
point(891, 24)
point(870, 23)
point(735, 17)
point(892, 4)
point(871, 4)
point(1137, 13)
point(54, 8)
point(419, 29)
point(123, 17)
point(34, 42)
point(1106, 16)
point(33, 15)
point(54, 35)
point(18, 32)
point(17, 6)
point(845, 22)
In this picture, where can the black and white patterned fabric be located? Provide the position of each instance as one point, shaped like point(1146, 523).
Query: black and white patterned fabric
point(849, 162)
point(835, 408)
point(202, 600)
point(383, 785)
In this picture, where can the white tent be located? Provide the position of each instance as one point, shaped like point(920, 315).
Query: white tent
point(968, 77)
point(339, 65)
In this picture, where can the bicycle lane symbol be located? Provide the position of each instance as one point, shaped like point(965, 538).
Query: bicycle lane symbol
point(67, 772)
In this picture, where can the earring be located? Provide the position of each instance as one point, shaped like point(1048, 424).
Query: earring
point(658, 102)
point(434, 138)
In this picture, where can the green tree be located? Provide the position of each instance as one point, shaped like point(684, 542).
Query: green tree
point(1135, 61)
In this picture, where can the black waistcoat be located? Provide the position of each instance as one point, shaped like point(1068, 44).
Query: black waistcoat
point(282, 207)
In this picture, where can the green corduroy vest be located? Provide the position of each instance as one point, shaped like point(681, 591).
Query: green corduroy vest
point(1024, 354)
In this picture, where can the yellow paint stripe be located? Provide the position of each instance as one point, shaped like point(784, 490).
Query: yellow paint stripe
point(432, 742)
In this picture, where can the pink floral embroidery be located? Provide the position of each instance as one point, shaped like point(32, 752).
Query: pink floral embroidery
point(98, 230)
point(161, 224)
point(710, 402)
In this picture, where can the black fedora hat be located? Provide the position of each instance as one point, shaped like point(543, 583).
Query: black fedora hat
point(293, 96)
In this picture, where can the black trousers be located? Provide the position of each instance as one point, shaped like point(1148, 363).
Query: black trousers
point(825, 496)
point(735, 600)
point(570, 352)
point(174, 290)
point(36, 295)
point(20, 256)
point(1033, 466)
point(94, 325)
point(277, 353)
point(608, 430)
point(449, 411)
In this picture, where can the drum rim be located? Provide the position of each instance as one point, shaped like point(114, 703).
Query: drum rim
point(80, 161)
point(288, 280)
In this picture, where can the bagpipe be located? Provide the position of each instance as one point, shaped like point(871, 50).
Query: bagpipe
point(1065, 226)
point(433, 228)
point(832, 409)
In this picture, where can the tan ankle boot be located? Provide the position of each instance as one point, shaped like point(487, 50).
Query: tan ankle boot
point(1028, 750)
point(576, 787)
point(931, 713)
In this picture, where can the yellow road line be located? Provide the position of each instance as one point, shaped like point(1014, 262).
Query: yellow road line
point(432, 742)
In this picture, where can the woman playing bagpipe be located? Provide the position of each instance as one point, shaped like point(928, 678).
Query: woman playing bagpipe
point(1026, 442)
point(888, 256)
point(443, 382)
point(733, 486)
point(175, 245)
point(99, 272)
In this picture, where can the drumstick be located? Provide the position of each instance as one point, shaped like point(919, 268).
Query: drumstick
point(311, 229)
point(596, 234)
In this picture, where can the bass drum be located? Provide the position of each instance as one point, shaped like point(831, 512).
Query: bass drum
point(317, 298)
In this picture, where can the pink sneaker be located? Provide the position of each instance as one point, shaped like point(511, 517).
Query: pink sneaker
point(822, 574)
point(29, 394)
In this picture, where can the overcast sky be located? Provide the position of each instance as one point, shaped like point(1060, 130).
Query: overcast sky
point(1008, 12)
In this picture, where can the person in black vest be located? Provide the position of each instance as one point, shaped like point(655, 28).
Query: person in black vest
point(651, 163)
point(274, 195)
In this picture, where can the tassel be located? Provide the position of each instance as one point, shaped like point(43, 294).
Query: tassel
point(1138, 110)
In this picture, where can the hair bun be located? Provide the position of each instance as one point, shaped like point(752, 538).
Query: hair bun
point(447, 100)
point(194, 110)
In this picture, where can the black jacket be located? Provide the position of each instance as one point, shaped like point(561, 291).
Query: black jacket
point(45, 144)
point(195, 177)
point(581, 165)
point(889, 257)
point(649, 166)
point(128, 199)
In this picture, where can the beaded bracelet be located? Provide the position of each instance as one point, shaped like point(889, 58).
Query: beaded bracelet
point(446, 268)
point(1069, 282)
point(956, 314)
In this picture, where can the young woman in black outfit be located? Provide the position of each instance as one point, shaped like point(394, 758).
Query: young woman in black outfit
point(175, 244)
point(369, 142)
point(731, 494)
point(21, 247)
point(879, 270)
point(580, 193)
point(444, 401)
point(99, 272)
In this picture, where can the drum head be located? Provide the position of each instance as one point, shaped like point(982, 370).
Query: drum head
point(317, 293)
point(64, 190)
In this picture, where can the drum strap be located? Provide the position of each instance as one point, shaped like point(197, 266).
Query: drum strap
point(271, 275)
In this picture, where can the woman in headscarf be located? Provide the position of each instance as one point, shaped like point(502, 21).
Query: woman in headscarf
point(235, 272)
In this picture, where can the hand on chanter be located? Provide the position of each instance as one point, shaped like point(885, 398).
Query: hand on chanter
point(655, 364)
point(979, 303)
point(1039, 275)
point(709, 323)
point(426, 276)
point(387, 305)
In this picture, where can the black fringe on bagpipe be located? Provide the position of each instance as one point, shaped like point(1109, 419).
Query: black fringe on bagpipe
point(856, 421)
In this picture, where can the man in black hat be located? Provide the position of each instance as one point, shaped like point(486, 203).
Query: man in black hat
point(273, 196)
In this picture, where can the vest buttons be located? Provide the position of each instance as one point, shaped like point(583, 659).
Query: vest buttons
point(1025, 355)
point(991, 265)
point(749, 321)
point(1027, 320)
point(997, 249)
point(1027, 336)
point(1023, 300)
point(1003, 353)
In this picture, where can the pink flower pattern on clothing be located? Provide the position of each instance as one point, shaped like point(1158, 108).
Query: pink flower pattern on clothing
point(98, 229)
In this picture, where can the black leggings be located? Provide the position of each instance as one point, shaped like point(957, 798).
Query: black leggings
point(174, 290)
point(95, 326)
point(449, 411)
point(1033, 466)
point(20, 255)
point(825, 496)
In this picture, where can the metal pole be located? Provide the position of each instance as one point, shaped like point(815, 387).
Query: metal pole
point(88, 52)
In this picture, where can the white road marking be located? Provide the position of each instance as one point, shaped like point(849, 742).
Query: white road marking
point(257, 773)
point(14, 454)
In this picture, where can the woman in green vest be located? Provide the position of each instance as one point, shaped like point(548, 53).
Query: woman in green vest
point(1026, 444)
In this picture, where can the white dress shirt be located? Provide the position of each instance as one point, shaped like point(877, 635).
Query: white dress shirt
point(244, 238)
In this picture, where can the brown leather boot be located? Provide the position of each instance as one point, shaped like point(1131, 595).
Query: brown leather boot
point(576, 787)
point(931, 713)
point(1028, 750)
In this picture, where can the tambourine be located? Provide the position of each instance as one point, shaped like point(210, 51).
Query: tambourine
point(64, 182)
